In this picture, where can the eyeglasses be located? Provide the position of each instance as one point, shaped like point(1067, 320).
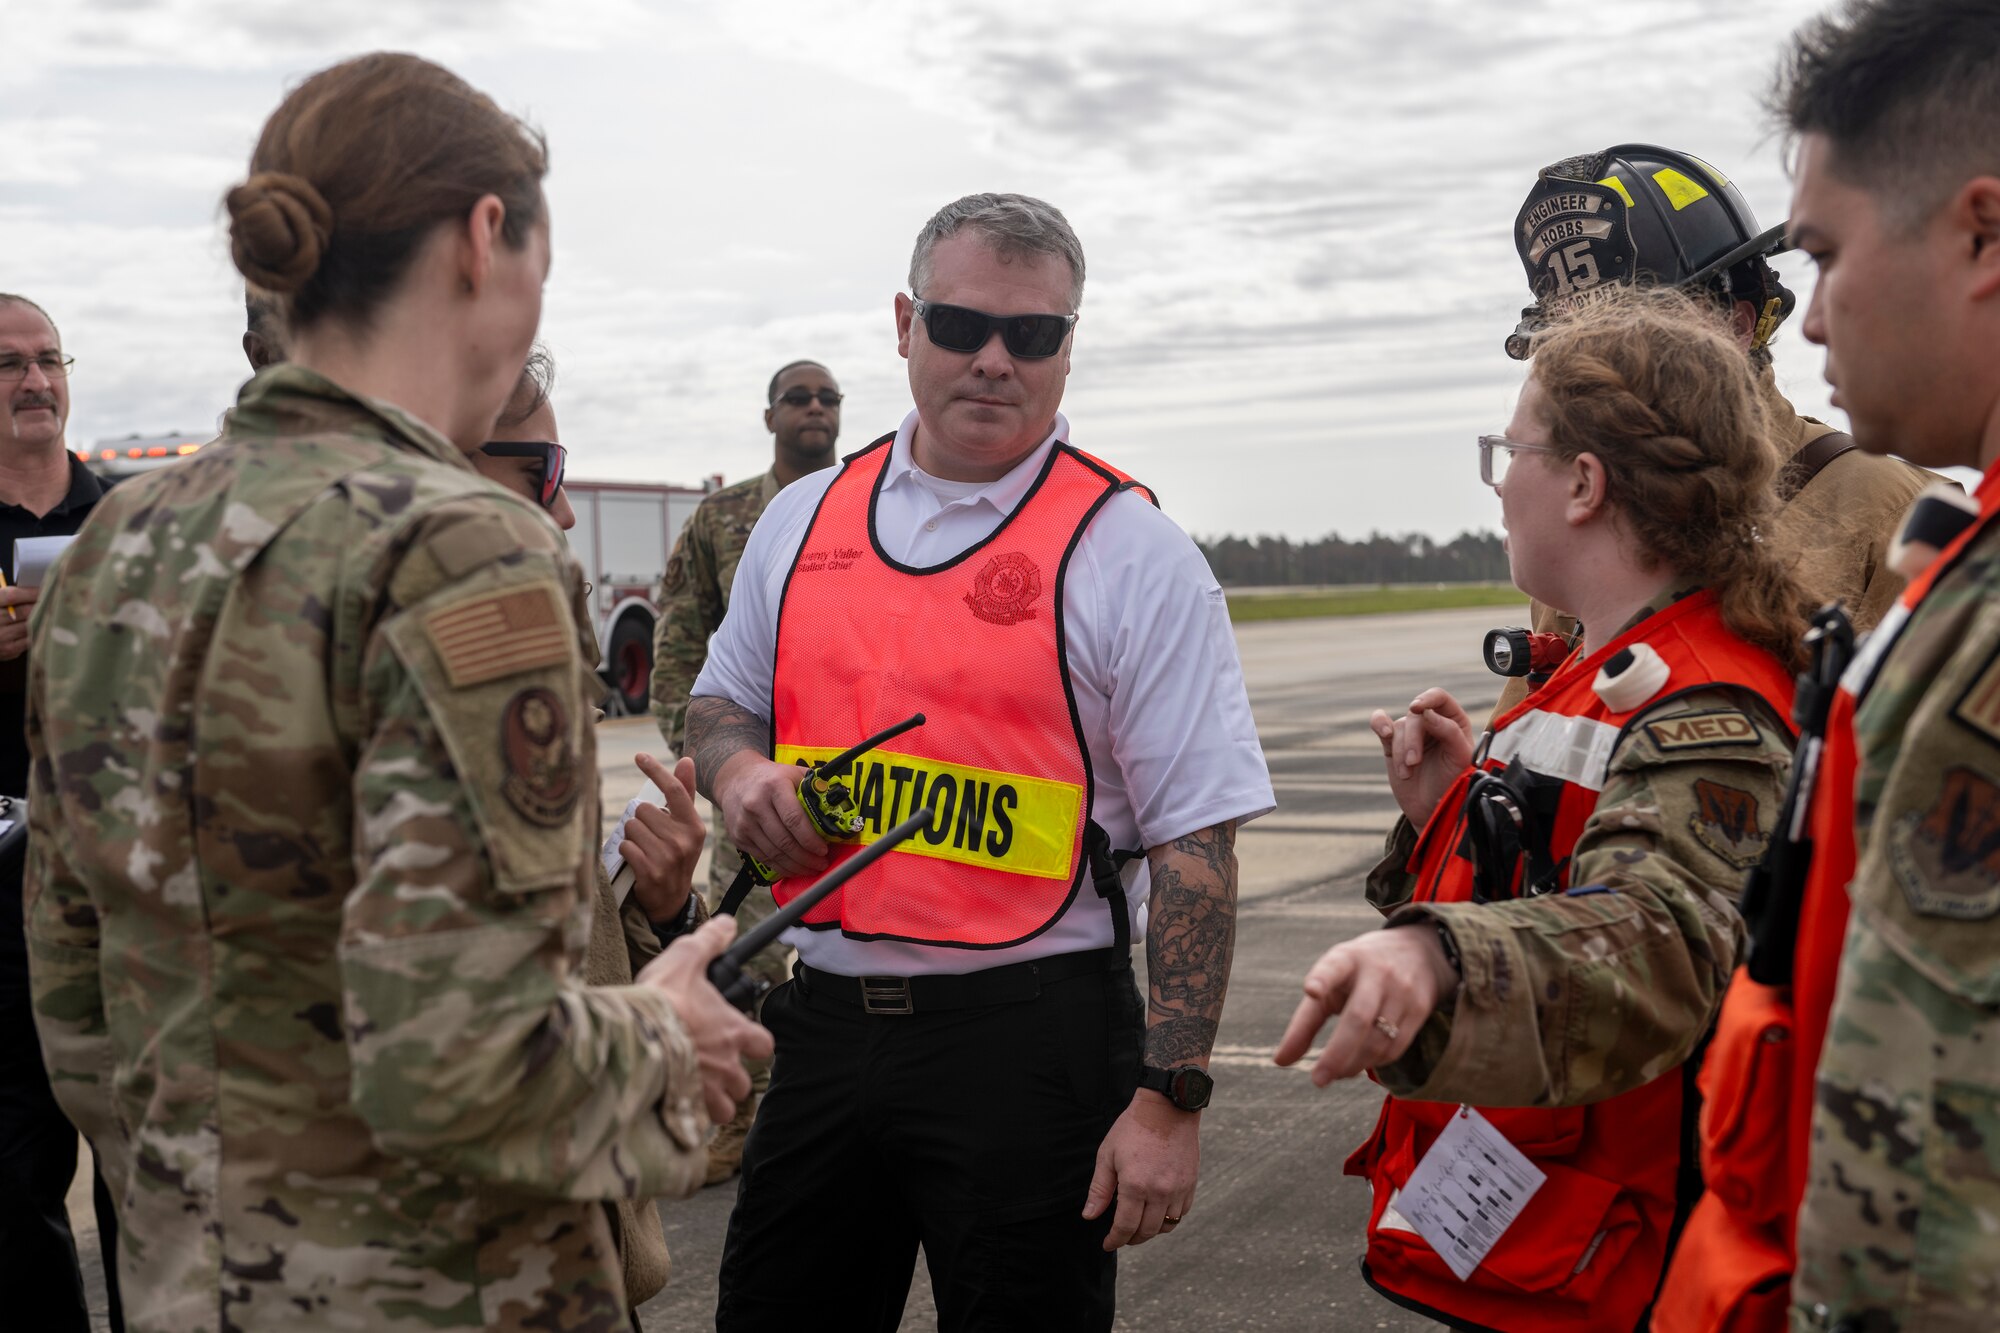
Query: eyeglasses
point(14, 369)
point(828, 398)
point(958, 329)
point(1496, 457)
point(553, 458)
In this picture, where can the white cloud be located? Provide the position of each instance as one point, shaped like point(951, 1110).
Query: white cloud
point(1296, 214)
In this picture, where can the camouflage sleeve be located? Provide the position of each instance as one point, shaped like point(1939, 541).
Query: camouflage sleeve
point(1618, 977)
point(1907, 1089)
point(690, 611)
point(642, 943)
point(1390, 884)
point(475, 1042)
point(61, 926)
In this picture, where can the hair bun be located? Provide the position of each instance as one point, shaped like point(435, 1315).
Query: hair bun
point(279, 226)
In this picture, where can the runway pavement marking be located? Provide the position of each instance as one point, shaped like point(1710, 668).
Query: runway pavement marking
point(1258, 1057)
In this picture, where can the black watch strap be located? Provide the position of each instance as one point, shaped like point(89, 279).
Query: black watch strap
point(1188, 1087)
point(666, 932)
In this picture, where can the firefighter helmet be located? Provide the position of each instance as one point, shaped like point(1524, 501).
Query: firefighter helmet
point(1636, 213)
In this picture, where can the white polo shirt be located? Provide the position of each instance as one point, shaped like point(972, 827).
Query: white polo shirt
point(1152, 661)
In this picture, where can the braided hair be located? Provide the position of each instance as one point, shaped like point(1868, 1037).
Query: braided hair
point(1652, 383)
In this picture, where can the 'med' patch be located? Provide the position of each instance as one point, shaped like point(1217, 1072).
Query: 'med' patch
point(500, 633)
point(1979, 706)
point(1699, 731)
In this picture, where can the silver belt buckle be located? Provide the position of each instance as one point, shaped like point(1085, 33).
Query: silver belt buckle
point(886, 995)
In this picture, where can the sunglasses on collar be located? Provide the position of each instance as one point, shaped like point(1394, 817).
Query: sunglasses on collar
point(958, 328)
point(552, 455)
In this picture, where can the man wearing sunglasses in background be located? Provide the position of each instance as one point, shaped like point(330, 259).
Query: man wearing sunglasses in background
point(959, 1052)
point(802, 412)
point(45, 491)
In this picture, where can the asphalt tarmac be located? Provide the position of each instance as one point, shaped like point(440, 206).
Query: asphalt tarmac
point(1273, 1238)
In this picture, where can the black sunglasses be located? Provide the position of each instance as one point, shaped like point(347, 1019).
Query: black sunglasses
point(958, 329)
point(552, 455)
point(828, 398)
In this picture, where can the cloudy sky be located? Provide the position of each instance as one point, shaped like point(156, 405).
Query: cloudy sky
point(1296, 213)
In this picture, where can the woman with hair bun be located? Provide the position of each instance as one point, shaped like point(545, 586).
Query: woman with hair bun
point(314, 798)
point(1561, 931)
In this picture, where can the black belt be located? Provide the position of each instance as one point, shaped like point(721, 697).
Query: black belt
point(1012, 984)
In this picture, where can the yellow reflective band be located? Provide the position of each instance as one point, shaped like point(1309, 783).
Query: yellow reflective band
point(1720, 179)
point(1619, 186)
point(1680, 191)
point(1004, 821)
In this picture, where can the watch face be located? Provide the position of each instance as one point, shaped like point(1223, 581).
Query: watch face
point(1191, 1088)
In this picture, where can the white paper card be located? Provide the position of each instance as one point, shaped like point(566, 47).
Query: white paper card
point(613, 854)
point(1467, 1191)
point(34, 555)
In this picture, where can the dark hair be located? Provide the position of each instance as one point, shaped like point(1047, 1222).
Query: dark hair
point(1651, 382)
point(357, 166)
point(1906, 92)
point(771, 394)
point(8, 298)
point(537, 382)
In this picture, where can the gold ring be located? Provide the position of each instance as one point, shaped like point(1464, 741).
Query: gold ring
point(1166, 1222)
point(1387, 1028)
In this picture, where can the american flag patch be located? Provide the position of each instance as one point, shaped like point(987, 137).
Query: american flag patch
point(499, 634)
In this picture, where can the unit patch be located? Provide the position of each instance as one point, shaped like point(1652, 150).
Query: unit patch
point(1725, 822)
point(1947, 859)
point(499, 633)
point(541, 782)
point(1699, 731)
point(1006, 590)
point(1979, 706)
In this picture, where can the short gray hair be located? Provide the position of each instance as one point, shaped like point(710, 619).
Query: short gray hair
point(1017, 225)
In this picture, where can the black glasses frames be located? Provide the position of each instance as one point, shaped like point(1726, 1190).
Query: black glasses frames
point(828, 398)
point(958, 328)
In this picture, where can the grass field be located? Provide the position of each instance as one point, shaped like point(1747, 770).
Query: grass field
point(1309, 602)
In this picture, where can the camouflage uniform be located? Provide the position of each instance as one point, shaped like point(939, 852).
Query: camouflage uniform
point(694, 595)
point(1900, 1228)
point(1857, 494)
point(1546, 1014)
point(310, 885)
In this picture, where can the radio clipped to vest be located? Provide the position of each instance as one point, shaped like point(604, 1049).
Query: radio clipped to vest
point(1775, 887)
point(1509, 821)
point(829, 804)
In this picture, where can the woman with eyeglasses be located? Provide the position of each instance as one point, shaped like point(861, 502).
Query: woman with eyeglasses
point(661, 843)
point(314, 799)
point(1561, 931)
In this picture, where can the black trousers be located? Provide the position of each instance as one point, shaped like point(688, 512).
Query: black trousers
point(41, 1285)
point(972, 1132)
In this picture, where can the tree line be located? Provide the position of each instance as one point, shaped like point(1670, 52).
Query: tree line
point(1470, 557)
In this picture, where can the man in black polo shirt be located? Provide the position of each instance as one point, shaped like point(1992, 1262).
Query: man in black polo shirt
point(45, 491)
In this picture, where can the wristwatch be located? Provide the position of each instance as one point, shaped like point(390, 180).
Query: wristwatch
point(1186, 1086)
point(666, 932)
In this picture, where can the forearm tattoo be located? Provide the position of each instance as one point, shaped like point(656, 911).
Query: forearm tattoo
point(1190, 935)
point(716, 731)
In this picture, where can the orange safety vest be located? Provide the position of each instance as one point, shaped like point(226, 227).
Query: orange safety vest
point(976, 644)
point(1732, 1272)
point(1588, 1251)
